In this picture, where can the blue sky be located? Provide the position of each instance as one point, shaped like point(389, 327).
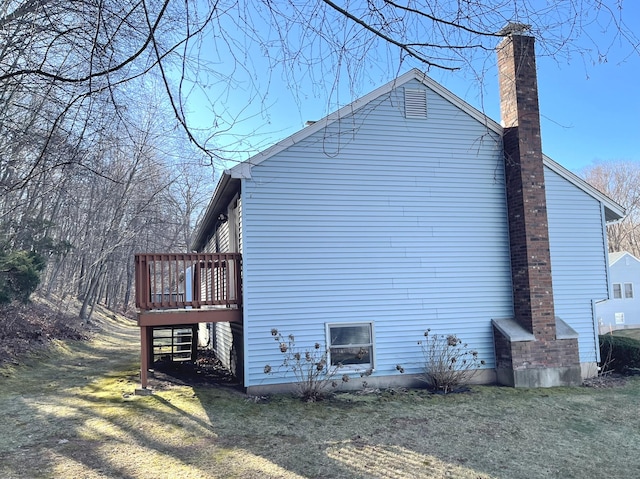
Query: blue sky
point(590, 112)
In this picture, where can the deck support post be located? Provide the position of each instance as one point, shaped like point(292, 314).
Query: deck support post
point(144, 355)
point(194, 342)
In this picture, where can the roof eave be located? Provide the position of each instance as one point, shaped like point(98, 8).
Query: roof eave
point(613, 211)
point(227, 185)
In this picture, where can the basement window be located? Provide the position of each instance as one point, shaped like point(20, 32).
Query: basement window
point(350, 345)
point(415, 103)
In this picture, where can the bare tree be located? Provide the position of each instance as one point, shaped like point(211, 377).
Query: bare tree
point(621, 182)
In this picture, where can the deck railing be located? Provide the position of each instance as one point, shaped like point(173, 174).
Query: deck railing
point(175, 281)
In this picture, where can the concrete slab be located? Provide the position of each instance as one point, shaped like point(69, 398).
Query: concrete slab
point(512, 330)
point(143, 392)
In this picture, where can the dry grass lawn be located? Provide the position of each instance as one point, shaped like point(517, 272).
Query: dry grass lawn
point(629, 333)
point(72, 414)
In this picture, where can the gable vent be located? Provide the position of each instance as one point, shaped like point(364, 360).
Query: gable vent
point(415, 103)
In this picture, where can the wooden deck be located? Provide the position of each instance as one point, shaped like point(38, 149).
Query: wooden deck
point(179, 289)
point(174, 317)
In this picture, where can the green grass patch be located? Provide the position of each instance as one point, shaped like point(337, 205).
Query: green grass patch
point(72, 413)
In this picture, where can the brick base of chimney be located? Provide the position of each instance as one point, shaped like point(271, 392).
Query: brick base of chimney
point(524, 361)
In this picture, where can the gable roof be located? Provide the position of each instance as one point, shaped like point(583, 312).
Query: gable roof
point(618, 255)
point(230, 177)
point(243, 169)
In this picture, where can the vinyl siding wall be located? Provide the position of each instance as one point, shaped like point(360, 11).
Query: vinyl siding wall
point(578, 258)
point(625, 270)
point(227, 337)
point(219, 242)
point(378, 218)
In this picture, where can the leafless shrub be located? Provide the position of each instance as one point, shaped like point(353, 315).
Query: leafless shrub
point(606, 361)
point(314, 377)
point(448, 362)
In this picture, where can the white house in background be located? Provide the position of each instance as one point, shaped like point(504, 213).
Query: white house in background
point(622, 310)
point(398, 213)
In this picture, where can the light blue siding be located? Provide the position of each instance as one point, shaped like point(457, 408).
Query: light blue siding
point(578, 257)
point(624, 270)
point(378, 218)
point(226, 336)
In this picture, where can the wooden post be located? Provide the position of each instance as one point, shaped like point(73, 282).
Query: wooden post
point(238, 279)
point(144, 355)
point(197, 292)
point(194, 342)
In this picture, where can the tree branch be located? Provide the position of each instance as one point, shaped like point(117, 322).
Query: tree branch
point(59, 78)
point(404, 47)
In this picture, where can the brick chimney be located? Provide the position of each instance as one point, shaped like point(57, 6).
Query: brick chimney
point(529, 350)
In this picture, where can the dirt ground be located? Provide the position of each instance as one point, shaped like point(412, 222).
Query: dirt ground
point(26, 328)
point(207, 370)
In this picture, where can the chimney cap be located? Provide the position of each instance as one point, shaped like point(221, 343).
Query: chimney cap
point(514, 28)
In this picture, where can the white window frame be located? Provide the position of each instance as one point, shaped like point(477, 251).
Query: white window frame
point(620, 291)
point(353, 367)
point(618, 318)
point(628, 296)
